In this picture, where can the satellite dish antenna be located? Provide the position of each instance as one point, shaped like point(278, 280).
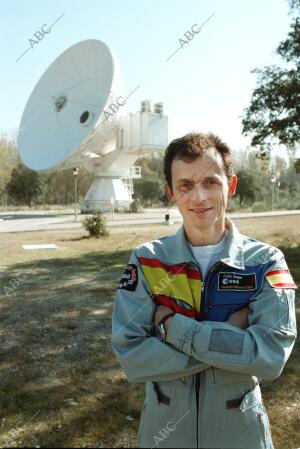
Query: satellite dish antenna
point(73, 118)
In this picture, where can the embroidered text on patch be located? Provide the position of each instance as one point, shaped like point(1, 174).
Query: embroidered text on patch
point(236, 281)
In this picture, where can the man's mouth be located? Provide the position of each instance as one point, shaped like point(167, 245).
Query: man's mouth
point(201, 211)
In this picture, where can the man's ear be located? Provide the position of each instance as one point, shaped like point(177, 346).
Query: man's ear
point(169, 192)
point(232, 186)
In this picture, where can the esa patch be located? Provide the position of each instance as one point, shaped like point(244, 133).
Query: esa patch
point(280, 279)
point(236, 281)
point(129, 279)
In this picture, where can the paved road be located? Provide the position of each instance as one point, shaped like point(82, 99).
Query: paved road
point(42, 221)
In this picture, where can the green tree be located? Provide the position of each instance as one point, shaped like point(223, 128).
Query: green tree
point(164, 199)
point(274, 112)
point(246, 188)
point(152, 165)
point(59, 186)
point(25, 185)
point(148, 189)
point(8, 155)
point(297, 165)
point(156, 165)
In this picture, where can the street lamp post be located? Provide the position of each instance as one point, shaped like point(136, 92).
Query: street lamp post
point(277, 193)
point(273, 180)
point(75, 174)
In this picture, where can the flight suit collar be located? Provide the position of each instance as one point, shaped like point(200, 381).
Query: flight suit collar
point(231, 255)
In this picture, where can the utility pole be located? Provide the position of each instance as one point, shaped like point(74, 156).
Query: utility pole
point(273, 181)
point(75, 174)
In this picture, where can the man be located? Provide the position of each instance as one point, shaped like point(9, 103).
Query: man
point(202, 315)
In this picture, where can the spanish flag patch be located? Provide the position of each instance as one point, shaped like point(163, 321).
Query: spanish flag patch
point(280, 279)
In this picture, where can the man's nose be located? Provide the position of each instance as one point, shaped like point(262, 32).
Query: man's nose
point(199, 193)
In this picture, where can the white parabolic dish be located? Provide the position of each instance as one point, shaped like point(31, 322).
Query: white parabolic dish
point(62, 116)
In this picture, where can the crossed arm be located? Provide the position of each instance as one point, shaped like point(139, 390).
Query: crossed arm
point(238, 319)
point(260, 347)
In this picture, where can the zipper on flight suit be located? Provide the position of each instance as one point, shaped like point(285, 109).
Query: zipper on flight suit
point(202, 318)
point(198, 375)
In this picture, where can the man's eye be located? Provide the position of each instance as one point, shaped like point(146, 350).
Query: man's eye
point(186, 186)
point(212, 181)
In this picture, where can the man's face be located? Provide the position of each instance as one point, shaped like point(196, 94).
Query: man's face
point(200, 190)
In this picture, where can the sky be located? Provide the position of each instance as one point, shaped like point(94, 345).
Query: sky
point(205, 86)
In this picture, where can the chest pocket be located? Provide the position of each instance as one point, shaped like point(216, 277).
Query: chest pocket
point(231, 291)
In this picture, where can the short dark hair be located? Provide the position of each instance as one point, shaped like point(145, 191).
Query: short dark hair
point(194, 145)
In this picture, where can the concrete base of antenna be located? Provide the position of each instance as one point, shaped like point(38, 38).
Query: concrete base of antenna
point(106, 194)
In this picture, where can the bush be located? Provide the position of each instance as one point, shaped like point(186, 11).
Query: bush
point(96, 225)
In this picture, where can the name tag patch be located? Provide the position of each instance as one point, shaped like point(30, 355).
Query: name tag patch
point(236, 281)
point(129, 279)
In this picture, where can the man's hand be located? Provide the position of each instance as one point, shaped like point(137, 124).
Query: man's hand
point(240, 318)
point(161, 311)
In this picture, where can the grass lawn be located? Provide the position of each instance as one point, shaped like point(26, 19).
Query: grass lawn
point(60, 382)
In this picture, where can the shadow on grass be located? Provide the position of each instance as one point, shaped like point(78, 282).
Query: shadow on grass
point(78, 239)
point(102, 265)
point(56, 355)
point(89, 422)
